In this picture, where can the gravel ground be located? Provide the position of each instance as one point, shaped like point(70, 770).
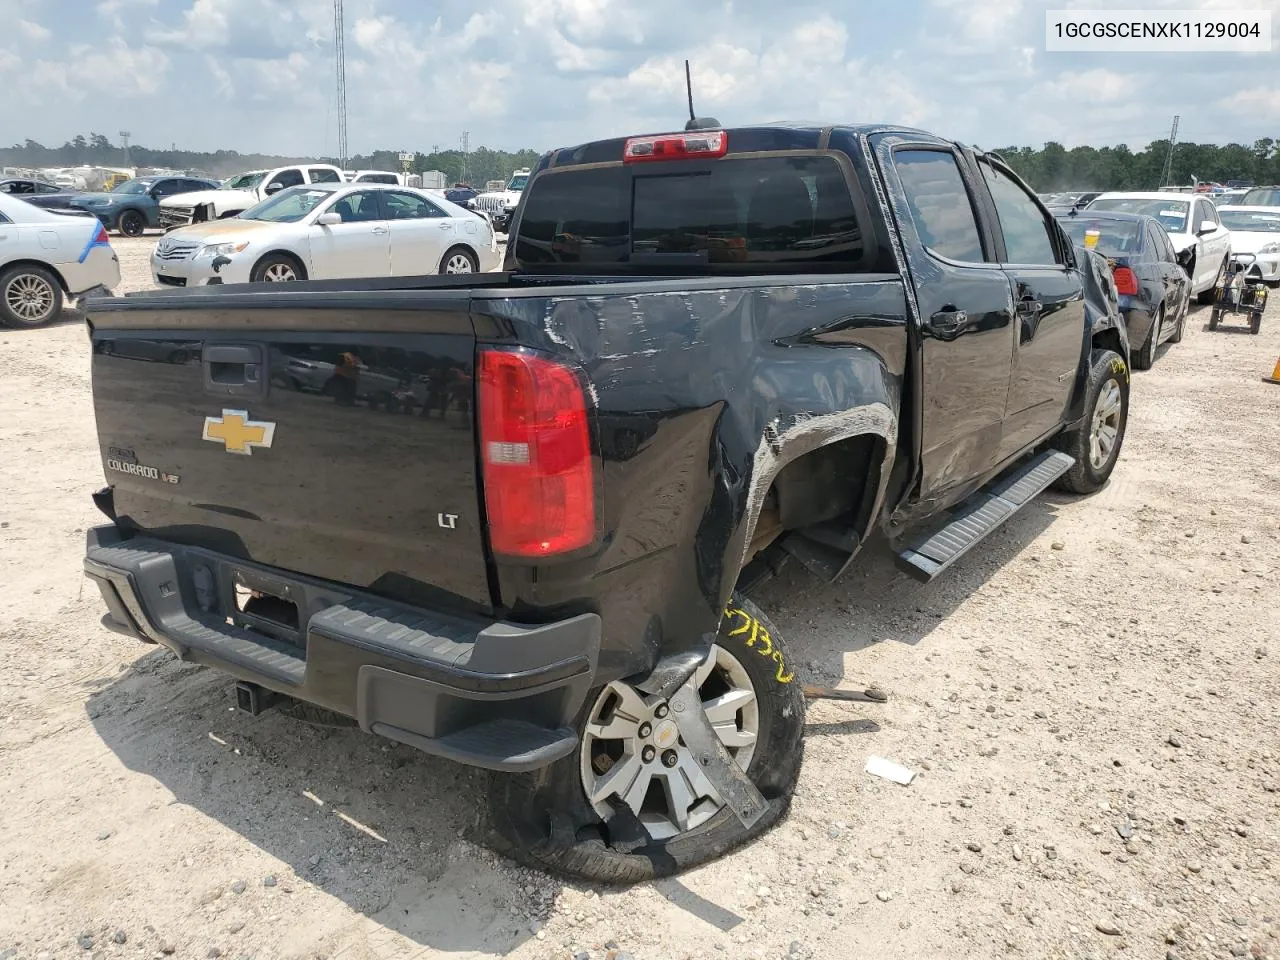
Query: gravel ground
point(1090, 703)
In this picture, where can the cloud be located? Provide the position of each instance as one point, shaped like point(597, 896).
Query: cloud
point(34, 31)
point(203, 26)
point(1259, 104)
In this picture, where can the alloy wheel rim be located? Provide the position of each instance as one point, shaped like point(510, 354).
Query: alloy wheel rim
point(632, 753)
point(279, 273)
point(30, 298)
point(1106, 424)
point(458, 263)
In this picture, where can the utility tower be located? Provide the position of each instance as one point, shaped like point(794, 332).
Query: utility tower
point(466, 146)
point(340, 64)
point(125, 135)
point(1167, 172)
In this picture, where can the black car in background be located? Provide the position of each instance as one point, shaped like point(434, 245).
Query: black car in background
point(38, 193)
point(1153, 289)
point(462, 196)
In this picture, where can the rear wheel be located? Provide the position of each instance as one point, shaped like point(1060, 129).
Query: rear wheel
point(459, 260)
point(277, 268)
point(631, 803)
point(30, 296)
point(1095, 442)
point(131, 224)
point(1147, 355)
point(1255, 323)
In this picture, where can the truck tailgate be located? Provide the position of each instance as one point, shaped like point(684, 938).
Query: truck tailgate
point(310, 434)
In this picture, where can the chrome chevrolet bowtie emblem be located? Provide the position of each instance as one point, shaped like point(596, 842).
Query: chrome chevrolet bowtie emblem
point(237, 433)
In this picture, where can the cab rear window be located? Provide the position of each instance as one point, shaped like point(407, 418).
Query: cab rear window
point(749, 215)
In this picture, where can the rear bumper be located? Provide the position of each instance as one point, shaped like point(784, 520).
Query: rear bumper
point(496, 695)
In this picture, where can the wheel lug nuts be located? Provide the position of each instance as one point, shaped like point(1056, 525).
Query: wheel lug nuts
point(648, 753)
point(661, 711)
point(645, 729)
point(668, 758)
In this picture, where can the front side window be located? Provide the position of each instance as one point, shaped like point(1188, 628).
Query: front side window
point(1026, 234)
point(939, 204)
point(359, 207)
point(287, 178)
point(45, 188)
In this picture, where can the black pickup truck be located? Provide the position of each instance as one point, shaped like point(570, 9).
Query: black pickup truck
point(709, 351)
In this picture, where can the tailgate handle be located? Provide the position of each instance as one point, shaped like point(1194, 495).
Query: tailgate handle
point(234, 370)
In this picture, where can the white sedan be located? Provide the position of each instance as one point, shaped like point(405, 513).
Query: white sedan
point(325, 231)
point(45, 256)
point(1255, 240)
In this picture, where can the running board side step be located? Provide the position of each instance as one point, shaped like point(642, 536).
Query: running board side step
point(977, 516)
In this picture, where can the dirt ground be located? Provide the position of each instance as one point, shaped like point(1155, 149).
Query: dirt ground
point(1091, 703)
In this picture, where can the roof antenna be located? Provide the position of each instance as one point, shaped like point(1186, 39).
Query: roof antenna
point(696, 122)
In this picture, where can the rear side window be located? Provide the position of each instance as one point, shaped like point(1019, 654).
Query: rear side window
point(1026, 233)
point(940, 204)
point(321, 175)
point(750, 215)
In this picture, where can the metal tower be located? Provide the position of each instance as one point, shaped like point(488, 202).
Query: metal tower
point(340, 62)
point(466, 147)
point(1167, 172)
point(125, 135)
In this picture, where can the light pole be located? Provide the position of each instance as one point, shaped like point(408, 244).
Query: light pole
point(125, 135)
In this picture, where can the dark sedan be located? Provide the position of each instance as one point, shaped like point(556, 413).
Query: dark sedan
point(38, 193)
point(134, 205)
point(1153, 288)
point(462, 196)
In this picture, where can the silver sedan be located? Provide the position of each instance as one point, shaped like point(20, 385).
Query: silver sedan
point(327, 231)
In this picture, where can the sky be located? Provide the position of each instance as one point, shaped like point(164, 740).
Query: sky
point(258, 75)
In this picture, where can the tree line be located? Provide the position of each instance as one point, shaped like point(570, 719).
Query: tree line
point(95, 149)
point(1051, 167)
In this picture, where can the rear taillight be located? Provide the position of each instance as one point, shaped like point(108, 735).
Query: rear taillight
point(1126, 281)
point(101, 236)
point(676, 146)
point(539, 479)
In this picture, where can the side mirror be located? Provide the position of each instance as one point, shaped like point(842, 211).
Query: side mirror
point(1206, 226)
point(273, 188)
point(328, 219)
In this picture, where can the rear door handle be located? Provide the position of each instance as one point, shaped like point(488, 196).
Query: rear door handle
point(947, 323)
